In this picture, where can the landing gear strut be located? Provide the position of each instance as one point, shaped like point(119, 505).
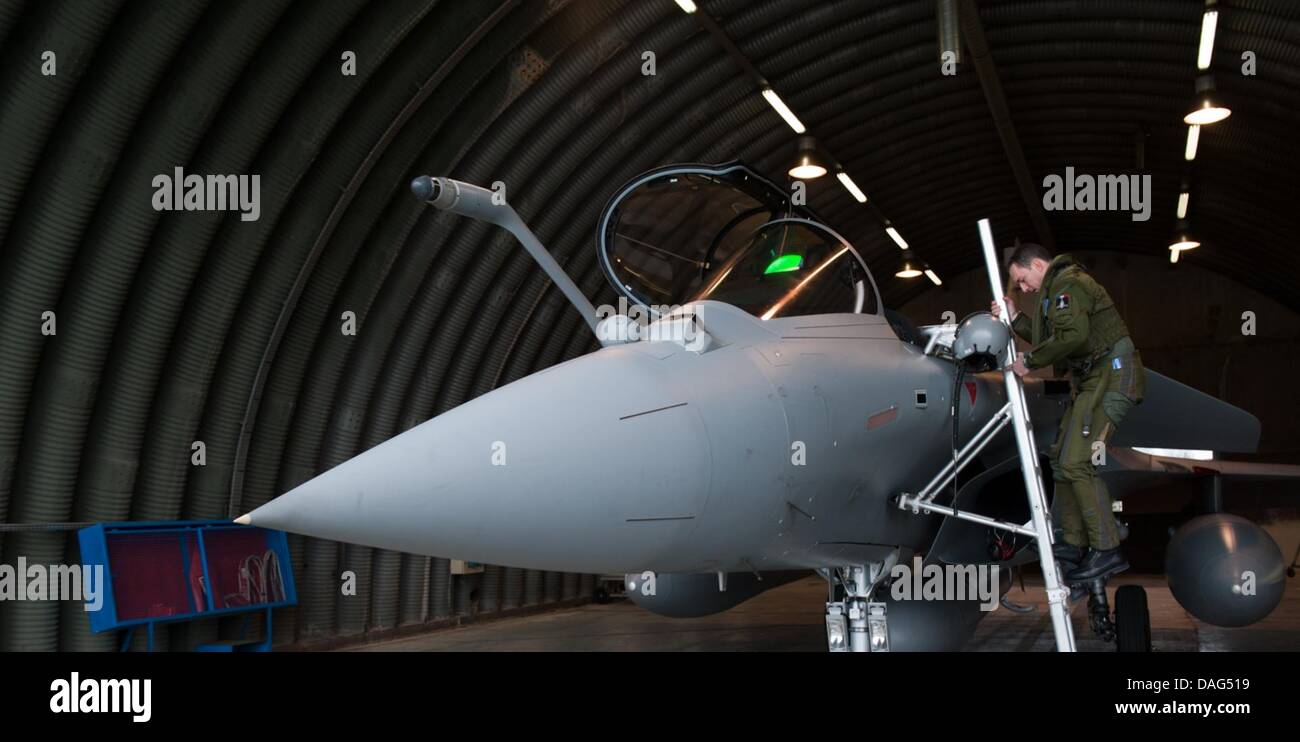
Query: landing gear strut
point(853, 622)
point(1130, 627)
point(1099, 610)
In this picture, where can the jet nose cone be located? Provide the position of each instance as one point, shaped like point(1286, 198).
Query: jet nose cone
point(592, 465)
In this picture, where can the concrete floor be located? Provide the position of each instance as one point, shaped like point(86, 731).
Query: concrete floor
point(789, 618)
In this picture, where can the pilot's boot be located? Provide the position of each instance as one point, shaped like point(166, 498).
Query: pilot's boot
point(1098, 564)
point(1068, 555)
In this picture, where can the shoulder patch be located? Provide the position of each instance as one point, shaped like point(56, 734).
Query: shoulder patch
point(1063, 301)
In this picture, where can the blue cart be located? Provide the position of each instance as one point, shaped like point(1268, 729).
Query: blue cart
point(171, 571)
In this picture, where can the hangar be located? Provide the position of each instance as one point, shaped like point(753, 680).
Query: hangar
point(164, 366)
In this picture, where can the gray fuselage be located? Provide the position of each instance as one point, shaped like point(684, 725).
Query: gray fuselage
point(778, 447)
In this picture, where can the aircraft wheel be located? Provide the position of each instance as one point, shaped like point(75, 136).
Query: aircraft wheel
point(1132, 619)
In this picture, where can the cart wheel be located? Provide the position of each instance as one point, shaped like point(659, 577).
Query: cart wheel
point(1132, 620)
point(602, 595)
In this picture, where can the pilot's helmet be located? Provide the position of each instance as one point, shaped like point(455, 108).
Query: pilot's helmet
point(981, 342)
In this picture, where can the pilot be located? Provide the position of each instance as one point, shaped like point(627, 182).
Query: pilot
point(1077, 328)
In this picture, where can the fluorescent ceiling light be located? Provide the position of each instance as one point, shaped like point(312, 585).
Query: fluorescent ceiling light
point(783, 110)
point(1193, 136)
point(686, 5)
point(1209, 22)
point(934, 277)
point(1182, 205)
point(852, 187)
point(896, 237)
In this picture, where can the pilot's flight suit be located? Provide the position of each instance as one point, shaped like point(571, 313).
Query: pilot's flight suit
point(1078, 328)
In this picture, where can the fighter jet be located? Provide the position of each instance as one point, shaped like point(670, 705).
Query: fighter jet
point(754, 413)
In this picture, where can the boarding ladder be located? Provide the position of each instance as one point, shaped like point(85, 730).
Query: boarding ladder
point(1016, 413)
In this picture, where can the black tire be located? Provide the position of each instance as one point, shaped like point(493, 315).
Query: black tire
point(1132, 619)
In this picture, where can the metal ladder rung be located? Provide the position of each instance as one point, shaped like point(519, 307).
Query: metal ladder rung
point(929, 507)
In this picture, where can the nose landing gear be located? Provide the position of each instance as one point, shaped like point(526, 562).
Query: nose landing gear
point(1130, 626)
point(854, 622)
point(1132, 619)
point(1099, 611)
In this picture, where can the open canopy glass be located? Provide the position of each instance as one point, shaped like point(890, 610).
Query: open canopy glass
point(686, 233)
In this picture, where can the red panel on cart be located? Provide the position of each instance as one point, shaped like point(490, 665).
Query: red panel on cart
point(229, 552)
point(149, 575)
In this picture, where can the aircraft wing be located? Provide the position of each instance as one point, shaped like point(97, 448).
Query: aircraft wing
point(1176, 416)
point(1130, 469)
point(1172, 434)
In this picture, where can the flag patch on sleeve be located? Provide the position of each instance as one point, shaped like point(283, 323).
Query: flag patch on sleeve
point(1063, 301)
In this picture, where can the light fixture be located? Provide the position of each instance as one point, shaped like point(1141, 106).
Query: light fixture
point(1182, 205)
point(908, 271)
point(934, 277)
point(1205, 110)
point(1173, 255)
point(686, 5)
point(1193, 136)
point(783, 110)
point(896, 237)
point(1209, 22)
point(806, 166)
point(851, 187)
point(1207, 113)
point(1182, 239)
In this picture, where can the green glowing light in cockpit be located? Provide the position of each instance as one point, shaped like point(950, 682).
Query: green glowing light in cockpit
point(785, 264)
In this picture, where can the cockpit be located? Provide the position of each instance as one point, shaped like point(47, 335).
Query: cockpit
point(687, 233)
